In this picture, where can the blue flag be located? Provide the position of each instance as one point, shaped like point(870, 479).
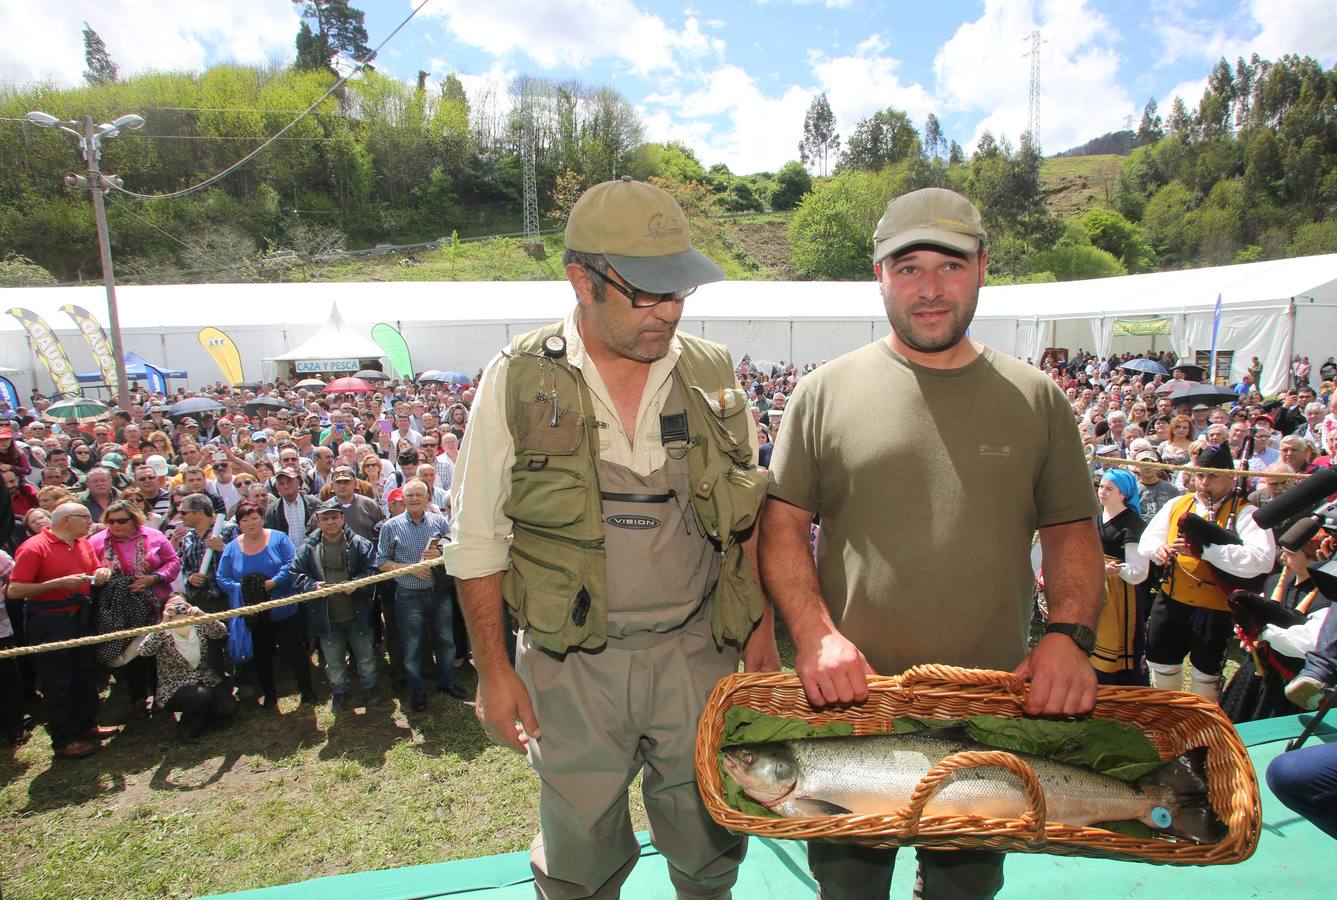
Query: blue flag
point(157, 381)
point(1216, 324)
point(10, 393)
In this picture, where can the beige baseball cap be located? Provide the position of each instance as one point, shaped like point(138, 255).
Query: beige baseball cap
point(642, 232)
point(928, 216)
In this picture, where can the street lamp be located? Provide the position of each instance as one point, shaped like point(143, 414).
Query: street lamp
point(90, 139)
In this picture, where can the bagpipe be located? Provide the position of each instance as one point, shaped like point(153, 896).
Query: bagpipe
point(1199, 533)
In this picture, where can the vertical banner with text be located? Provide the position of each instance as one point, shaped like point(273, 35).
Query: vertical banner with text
point(220, 347)
point(47, 346)
point(97, 342)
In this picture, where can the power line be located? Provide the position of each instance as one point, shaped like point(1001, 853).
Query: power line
point(258, 150)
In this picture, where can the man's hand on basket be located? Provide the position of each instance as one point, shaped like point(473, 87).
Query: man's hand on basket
point(505, 711)
point(760, 654)
point(833, 670)
point(1062, 680)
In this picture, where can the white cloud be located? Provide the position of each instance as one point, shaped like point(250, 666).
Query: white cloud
point(859, 85)
point(44, 41)
point(562, 33)
point(729, 119)
point(1270, 29)
point(981, 69)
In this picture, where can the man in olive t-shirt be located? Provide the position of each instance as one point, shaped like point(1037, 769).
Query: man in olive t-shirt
point(928, 504)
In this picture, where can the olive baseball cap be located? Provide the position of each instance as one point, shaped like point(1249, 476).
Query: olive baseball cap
point(934, 216)
point(642, 232)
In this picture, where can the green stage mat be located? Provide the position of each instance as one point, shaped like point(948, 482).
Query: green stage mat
point(1293, 861)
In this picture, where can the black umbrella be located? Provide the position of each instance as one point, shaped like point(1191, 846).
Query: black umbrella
point(1211, 394)
point(372, 375)
point(193, 406)
point(248, 385)
point(266, 402)
point(1192, 371)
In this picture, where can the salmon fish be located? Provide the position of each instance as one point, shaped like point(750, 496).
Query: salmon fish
point(875, 775)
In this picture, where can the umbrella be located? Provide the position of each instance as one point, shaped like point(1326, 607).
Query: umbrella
point(1148, 366)
point(193, 406)
point(266, 402)
point(371, 375)
point(349, 386)
point(81, 409)
point(1192, 371)
point(310, 383)
point(432, 375)
point(1211, 394)
point(1177, 384)
point(248, 385)
point(453, 377)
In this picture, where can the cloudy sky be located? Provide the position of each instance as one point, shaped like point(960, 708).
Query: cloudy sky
point(734, 79)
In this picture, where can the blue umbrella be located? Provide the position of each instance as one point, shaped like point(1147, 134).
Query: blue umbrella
point(451, 377)
point(1149, 366)
point(193, 406)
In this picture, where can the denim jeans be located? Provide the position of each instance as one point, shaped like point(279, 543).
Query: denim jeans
point(1306, 781)
point(345, 636)
point(416, 611)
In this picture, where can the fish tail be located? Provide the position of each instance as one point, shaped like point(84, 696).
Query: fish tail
point(1184, 781)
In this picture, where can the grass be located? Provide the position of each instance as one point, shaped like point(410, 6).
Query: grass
point(1074, 184)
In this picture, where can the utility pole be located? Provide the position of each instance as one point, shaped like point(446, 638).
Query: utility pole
point(90, 138)
point(528, 150)
point(1033, 104)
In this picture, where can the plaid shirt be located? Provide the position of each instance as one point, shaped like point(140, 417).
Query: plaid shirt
point(191, 551)
point(403, 540)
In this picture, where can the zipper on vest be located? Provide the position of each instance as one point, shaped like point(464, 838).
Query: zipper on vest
point(586, 545)
point(543, 563)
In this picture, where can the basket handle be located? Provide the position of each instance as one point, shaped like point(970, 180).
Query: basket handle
point(971, 759)
point(959, 677)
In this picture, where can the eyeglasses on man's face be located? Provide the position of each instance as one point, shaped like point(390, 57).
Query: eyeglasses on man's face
point(639, 298)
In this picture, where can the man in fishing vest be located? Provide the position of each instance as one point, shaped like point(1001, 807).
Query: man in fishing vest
point(606, 490)
point(1189, 616)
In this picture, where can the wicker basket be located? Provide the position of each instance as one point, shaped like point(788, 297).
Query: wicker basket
point(1174, 723)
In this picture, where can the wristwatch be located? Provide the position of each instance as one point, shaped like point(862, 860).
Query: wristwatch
point(1082, 636)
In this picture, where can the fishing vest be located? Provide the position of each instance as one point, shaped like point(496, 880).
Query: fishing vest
point(557, 585)
point(1190, 580)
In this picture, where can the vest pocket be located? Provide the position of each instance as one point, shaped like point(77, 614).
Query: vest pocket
point(729, 423)
point(546, 498)
point(542, 595)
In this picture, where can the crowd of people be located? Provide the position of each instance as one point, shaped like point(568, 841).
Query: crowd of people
point(610, 563)
point(150, 516)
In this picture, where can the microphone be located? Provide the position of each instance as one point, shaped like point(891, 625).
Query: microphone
point(1300, 499)
point(1299, 534)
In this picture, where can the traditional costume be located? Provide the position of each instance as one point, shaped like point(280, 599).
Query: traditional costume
point(1118, 657)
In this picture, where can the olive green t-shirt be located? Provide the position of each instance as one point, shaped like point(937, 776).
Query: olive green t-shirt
point(930, 484)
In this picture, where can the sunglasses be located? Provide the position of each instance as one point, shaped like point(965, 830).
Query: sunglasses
point(119, 521)
point(642, 299)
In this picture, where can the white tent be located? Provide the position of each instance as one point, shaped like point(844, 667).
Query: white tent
point(1269, 309)
point(335, 342)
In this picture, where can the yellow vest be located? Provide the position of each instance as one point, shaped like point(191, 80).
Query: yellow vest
point(557, 585)
point(1191, 580)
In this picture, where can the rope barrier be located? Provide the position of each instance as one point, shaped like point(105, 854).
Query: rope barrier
point(1233, 473)
point(328, 590)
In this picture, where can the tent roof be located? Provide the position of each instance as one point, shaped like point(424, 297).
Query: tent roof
point(134, 370)
point(159, 307)
point(335, 340)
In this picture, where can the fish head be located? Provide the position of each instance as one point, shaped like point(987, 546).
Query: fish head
point(767, 772)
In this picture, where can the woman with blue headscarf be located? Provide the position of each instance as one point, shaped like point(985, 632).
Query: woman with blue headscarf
point(1119, 654)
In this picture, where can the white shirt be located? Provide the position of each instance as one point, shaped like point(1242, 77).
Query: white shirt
point(1255, 556)
point(295, 513)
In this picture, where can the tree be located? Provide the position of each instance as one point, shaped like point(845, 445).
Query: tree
point(20, 271)
point(101, 68)
point(1111, 232)
point(878, 141)
point(820, 140)
point(935, 144)
point(955, 155)
point(1149, 130)
point(831, 232)
point(340, 28)
point(1074, 263)
point(1180, 122)
point(792, 182)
